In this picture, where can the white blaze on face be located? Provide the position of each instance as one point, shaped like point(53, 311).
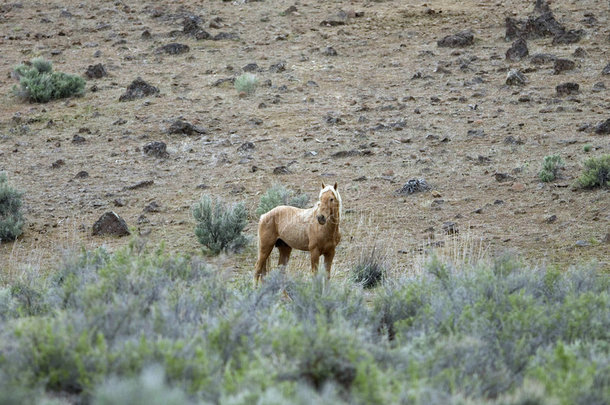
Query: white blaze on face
point(337, 196)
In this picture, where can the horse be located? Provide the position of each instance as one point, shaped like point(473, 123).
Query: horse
point(314, 229)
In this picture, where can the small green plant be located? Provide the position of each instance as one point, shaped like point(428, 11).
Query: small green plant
point(11, 216)
point(219, 227)
point(587, 148)
point(39, 83)
point(370, 269)
point(246, 83)
point(280, 195)
point(597, 172)
point(550, 168)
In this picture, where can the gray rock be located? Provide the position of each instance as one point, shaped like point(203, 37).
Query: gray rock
point(563, 65)
point(96, 71)
point(156, 149)
point(606, 70)
point(603, 128)
point(566, 89)
point(413, 186)
point(517, 51)
point(515, 78)
point(138, 89)
point(110, 224)
point(459, 40)
point(173, 49)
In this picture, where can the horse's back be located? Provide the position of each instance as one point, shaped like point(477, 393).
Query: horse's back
point(286, 223)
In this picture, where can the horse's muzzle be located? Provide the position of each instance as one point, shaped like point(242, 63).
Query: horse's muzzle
point(321, 219)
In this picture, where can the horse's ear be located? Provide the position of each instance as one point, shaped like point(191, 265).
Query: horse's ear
point(323, 185)
point(335, 186)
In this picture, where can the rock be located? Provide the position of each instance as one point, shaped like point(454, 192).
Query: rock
point(562, 65)
point(606, 70)
point(543, 58)
point(459, 40)
point(511, 140)
point(568, 37)
point(579, 53)
point(152, 207)
point(146, 35)
point(81, 175)
point(57, 164)
point(550, 219)
point(173, 48)
point(202, 34)
point(582, 243)
point(450, 228)
point(110, 224)
point(289, 10)
point(349, 153)
point(190, 25)
point(278, 67)
point(138, 89)
point(156, 149)
point(597, 87)
point(477, 133)
point(96, 71)
point(544, 25)
point(182, 127)
point(566, 89)
point(225, 36)
point(413, 186)
point(502, 177)
point(329, 51)
point(141, 184)
point(603, 128)
point(515, 78)
point(517, 51)
point(246, 147)
point(335, 20)
point(541, 7)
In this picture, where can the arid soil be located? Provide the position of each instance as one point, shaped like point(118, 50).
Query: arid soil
point(356, 92)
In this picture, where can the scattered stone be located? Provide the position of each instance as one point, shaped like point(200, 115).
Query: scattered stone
point(517, 51)
point(413, 186)
point(190, 27)
point(568, 37)
point(120, 121)
point(146, 35)
point(543, 25)
point(335, 20)
point(81, 175)
point(182, 127)
point(156, 149)
point(58, 163)
point(582, 243)
point(173, 49)
point(579, 52)
point(511, 140)
point(110, 224)
point(603, 128)
point(96, 71)
point(459, 40)
point(77, 139)
point(333, 120)
point(350, 153)
point(152, 207)
point(221, 36)
point(541, 7)
point(278, 67)
point(543, 58)
point(138, 89)
point(141, 184)
point(515, 78)
point(246, 147)
point(502, 177)
point(606, 70)
point(597, 87)
point(281, 170)
point(563, 65)
point(607, 238)
point(450, 228)
point(290, 10)
point(119, 202)
point(329, 51)
point(566, 89)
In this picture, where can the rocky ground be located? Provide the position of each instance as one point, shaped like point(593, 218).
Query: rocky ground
point(370, 94)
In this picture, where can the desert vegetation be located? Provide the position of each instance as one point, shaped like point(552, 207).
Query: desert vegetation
point(39, 83)
point(137, 326)
point(11, 212)
point(219, 226)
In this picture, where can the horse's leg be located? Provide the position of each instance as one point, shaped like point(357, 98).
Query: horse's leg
point(315, 260)
point(328, 261)
point(264, 250)
point(284, 255)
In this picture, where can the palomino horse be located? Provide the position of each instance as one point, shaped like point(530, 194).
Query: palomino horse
point(315, 230)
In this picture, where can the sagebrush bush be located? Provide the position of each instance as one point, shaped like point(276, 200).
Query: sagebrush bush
point(370, 269)
point(550, 168)
point(140, 326)
point(246, 83)
point(597, 172)
point(11, 214)
point(39, 83)
point(219, 227)
point(280, 195)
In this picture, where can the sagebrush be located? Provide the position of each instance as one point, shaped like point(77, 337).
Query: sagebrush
point(246, 83)
point(280, 195)
point(550, 168)
point(596, 173)
point(219, 226)
point(370, 269)
point(39, 83)
point(140, 326)
point(11, 214)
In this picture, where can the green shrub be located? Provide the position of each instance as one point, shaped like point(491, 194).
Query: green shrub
point(370, 269)
point(550, 168)
point(280, 195)
point(11, 216)
point(587, 148)
point(246, 83)
point(220, 227)
point(39, 83)
point(597, 172)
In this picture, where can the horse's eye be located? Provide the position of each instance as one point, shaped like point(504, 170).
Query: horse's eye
point(332, 199)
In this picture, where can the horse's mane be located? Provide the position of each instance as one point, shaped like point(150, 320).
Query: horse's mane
point(337, 196)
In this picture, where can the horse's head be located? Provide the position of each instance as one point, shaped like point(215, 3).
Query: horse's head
point(329, 206)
